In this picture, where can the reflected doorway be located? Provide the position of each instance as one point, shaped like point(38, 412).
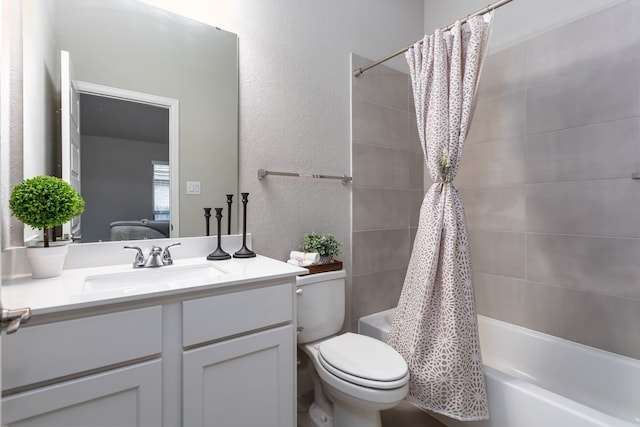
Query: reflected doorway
point(126, 165)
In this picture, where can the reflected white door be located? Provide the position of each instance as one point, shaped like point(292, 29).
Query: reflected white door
point(70, 123)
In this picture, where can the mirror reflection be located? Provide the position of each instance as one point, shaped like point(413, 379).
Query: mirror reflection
point(126, 144)
point(132, 163)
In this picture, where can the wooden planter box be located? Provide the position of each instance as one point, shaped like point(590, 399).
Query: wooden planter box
point(323, 268)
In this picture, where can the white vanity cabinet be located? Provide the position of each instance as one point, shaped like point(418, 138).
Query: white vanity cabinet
point(89, 371)
point(238, 366)
point(212, 356)
point(129, 396)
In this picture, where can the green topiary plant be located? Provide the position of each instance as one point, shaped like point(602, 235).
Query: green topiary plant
point(44, 202)
point(326, 245)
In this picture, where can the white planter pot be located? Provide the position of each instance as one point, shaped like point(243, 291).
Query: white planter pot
point(46, 262)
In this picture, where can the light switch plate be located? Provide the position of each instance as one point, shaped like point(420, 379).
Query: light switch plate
point(193, 187)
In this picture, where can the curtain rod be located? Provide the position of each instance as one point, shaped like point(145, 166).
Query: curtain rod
point(489, 8)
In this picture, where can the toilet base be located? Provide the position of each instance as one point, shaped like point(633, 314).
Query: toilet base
point(344, 417)
point(355, 417)
point(319, 417)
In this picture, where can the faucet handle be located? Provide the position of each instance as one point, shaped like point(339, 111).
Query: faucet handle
point(166, 255)
point(139, 261)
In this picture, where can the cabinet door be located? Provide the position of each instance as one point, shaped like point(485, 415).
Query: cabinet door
point(246, 381)
point(124, 397)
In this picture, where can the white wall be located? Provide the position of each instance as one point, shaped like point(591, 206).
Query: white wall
point(295, 102)
point(515, 21)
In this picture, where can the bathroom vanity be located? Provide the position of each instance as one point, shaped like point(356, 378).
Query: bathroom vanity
point(191, 344)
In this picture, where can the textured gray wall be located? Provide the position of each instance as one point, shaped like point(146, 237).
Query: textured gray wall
point(11, 155)
point(553, 216)
point(387, 186)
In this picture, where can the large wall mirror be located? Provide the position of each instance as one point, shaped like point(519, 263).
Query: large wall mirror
point(158, 104)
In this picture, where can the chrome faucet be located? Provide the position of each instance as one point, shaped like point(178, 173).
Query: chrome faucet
point(166, 255)
point(156, 258)
point(139, 261)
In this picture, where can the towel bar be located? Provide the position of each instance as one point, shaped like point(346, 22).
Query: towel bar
point(262, 173)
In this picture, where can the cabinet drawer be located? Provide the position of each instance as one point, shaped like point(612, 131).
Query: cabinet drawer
point(129, 396)
point(43, 352)
point(216, 317)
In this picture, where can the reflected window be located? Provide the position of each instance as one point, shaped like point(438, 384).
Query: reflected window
point(161, 191)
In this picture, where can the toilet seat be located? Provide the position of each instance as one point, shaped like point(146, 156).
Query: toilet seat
point(363, 361)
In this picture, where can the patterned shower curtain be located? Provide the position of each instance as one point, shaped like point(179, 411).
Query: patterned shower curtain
point(435, 327)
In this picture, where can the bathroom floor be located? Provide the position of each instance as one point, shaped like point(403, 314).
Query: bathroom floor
point(408, 415)
point(403, 415)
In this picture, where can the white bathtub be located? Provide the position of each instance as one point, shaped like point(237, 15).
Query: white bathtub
point(537, 380)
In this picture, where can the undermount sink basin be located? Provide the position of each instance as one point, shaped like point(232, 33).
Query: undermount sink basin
point(161, 278)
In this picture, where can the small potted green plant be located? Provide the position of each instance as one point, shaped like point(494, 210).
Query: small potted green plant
point(44, 202)
point(326, 245)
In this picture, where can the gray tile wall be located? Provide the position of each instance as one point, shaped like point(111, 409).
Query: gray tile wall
point(553, 216)
point(387, 168)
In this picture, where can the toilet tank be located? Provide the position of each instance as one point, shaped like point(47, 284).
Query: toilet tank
point(320, 303)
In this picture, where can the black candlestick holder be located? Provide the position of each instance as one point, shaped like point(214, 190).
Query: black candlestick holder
point(207, 215)
point(229, 201)
point(218, 254)
point(244, 252)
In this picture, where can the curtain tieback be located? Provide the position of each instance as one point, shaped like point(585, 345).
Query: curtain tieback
point(445, 182)
point(445, 166)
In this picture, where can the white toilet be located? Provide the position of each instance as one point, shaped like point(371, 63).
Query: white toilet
point(356, 376)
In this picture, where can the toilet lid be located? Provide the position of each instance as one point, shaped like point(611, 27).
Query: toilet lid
point(363, 360)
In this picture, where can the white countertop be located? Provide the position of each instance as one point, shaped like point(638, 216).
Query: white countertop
point(71, 290)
